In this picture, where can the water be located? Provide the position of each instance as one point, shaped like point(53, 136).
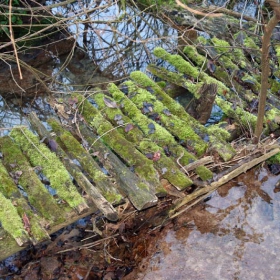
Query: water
point(234, 235)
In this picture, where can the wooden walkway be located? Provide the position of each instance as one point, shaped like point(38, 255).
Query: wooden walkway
point(132, 142)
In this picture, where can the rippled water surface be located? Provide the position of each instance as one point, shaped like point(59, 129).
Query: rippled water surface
point(234, 235)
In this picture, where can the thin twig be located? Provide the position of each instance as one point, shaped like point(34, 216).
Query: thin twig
point(13, 39)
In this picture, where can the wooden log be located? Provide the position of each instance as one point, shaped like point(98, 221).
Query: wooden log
point(160, 135)
point(101, 203)
point(12, 222)
point(226, 153)
point(39, 155)
point(72, 147)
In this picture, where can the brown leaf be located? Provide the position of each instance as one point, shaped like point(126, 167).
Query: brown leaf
point(110, 103)
point(128, 127)
point(26, 222)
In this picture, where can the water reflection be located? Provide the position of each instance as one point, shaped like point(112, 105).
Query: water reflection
point(235, 235)
point(118, 41)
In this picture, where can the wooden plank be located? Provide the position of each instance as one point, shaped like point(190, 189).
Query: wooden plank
point(101, 203)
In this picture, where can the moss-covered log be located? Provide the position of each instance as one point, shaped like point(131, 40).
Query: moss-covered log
point(12, 222)
point(160, 135)
point(164, 165)
point(177, 110)
point(39, 155)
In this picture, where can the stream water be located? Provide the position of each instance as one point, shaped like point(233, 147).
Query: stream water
point(234, 235)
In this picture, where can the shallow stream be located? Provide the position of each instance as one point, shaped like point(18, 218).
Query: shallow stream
point(234, 235)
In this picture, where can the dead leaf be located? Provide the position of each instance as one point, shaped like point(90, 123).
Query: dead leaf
point(110, 103)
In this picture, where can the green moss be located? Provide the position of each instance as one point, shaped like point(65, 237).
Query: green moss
point(192, 53)
point(181, 65)
point(201, 40)
point(204, 173)
point(165, 166)
point(274, 159)
point(53, 169)
point(38, 195)
point(225, 152)
point(230, 56)
point(10, 219)
point(246, 119)
point(126, 150)
point(219, 132)
point(161, 84)
point(172, 123)
point(174, 107)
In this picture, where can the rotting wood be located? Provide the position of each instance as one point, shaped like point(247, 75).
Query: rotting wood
point(10, 191)
point(13, 225)
point(193, 165)
point(165, 166)
point(94, 194)
point(224, 149)
point(72, 147)
point(201, 193)
point(8, 245)
point(23, 173)
point(201, 107)
point(160, 135)
point(130, 184)
point(142, 166)
point(39, 155)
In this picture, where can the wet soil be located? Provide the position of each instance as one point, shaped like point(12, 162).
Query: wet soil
point(234, 234)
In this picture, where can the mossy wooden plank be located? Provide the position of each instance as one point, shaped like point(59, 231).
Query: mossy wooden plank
point(38, 196)
point(164, 165)
point(8, 245)
point(160, 135)
point(66, 140)
point(101, 203)
point(143, 167)
point(12, 222)
point(10, 191)
point(130, 184)
point(176, 109)
point(39, 155)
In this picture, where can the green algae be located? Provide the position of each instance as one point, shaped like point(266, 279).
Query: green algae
point(53, 169)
